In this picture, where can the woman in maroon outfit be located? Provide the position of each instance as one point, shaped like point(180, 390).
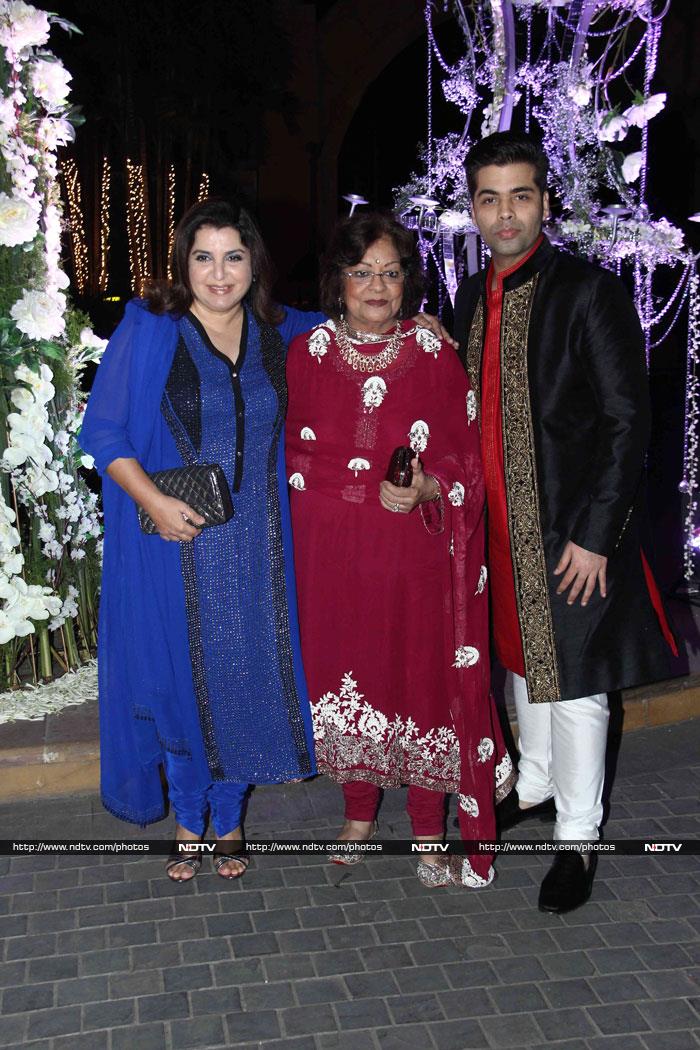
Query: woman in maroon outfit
point(391, 580)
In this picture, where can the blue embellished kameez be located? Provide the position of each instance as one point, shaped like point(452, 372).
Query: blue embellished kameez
point(198, 653)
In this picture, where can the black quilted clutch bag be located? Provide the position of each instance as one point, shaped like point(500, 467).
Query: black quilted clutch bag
point(203, 487)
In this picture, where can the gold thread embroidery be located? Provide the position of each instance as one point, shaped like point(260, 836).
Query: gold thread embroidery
point(524, 525)
point(475, 344)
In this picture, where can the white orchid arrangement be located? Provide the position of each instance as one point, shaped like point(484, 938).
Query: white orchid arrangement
point(49, 523)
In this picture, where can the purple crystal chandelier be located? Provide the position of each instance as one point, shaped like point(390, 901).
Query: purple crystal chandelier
point(578, 73)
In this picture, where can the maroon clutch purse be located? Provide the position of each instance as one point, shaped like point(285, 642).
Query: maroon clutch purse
point(400, 472)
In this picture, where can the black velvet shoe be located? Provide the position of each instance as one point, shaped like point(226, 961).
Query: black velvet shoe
point(509, 814)
point(568, 883)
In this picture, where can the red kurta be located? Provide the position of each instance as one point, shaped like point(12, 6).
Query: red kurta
point(394, 626)
point(506, 627)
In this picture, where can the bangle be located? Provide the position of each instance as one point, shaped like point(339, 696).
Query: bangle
point(438, 494)
point(433, 516)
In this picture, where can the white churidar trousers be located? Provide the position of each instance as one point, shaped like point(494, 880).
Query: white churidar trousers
point(562, 756)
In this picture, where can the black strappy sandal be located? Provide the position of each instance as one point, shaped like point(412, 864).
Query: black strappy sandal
point(192, 860)
point(219, 859)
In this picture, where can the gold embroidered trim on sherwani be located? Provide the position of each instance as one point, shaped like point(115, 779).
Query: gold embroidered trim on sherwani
point(475, 344)
point(522, 494)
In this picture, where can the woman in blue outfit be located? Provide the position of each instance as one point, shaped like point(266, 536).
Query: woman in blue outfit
point(199, 663)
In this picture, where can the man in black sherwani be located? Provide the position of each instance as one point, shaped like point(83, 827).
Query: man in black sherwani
point(554, 350)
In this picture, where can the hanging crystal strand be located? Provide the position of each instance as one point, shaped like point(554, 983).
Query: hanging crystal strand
point(653, 33)
point(429, 74)
point(689, 484)
point(528, 87)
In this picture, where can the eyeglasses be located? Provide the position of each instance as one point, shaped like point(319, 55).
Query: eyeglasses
point(365, 276)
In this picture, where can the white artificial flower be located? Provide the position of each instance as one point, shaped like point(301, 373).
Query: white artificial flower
point(88, 338)
point(53, 132)
point(87, 461)
point(7, 630)
point(14, 457)
point(14, 564)
point(22, 25)
point(631, 167)
point(19, 220)
point(8, 117)
point(39, 315)
point(40, 481)
point(455, 220)
point(580, 94)
point(613, 128)
point(641, 112)
point(50, 81)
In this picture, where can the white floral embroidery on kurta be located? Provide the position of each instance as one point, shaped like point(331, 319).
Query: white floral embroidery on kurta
point(358, 465)
point(469, 804)
point(373, 392)
point(471, 407)
point(319, 339)
point(483, 576)
point(428, 341)
point(470, 877)
point(466, 656)
point(297, 481)
point(349, 732)
point(456, 494)
point(419, 434)
point(307, 434)
point(485, 749)
point(452, 544)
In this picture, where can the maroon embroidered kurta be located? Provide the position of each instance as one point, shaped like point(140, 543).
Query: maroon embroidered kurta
point(393, 607)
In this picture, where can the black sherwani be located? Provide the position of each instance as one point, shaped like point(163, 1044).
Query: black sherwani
point(575, 407)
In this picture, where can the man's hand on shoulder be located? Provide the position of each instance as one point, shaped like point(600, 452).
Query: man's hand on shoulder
point(436, 327)
point(582, 570)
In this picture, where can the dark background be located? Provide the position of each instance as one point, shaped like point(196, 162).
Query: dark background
point(296, 103)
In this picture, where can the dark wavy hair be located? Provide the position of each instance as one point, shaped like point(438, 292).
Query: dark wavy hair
point(351, 239)
point(175, 297)
point(507, 147)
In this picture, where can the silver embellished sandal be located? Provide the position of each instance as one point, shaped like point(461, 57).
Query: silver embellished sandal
point(434, 875)
point(219, 859)
point(353, 857)
point(192, 860)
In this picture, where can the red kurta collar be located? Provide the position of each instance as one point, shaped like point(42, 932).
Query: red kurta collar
point(500, 277)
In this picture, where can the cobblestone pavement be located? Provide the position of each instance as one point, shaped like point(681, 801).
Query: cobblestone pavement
point(304, 955)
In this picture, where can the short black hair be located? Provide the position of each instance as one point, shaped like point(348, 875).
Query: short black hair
point(507, 147)
point(351, 239)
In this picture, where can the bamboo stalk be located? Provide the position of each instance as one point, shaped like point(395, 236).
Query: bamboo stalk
point(32, 657)
point(45, 663)
point(70, 644)
point(60, 658)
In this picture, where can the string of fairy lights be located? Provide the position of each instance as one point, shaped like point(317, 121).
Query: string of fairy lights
point(203, 187)
point(137, 223)
point(76, 223)
point(103, 276)
point(171, 218)
point(137, 226)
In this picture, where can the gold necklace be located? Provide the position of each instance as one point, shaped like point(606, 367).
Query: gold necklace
point(360, 362)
